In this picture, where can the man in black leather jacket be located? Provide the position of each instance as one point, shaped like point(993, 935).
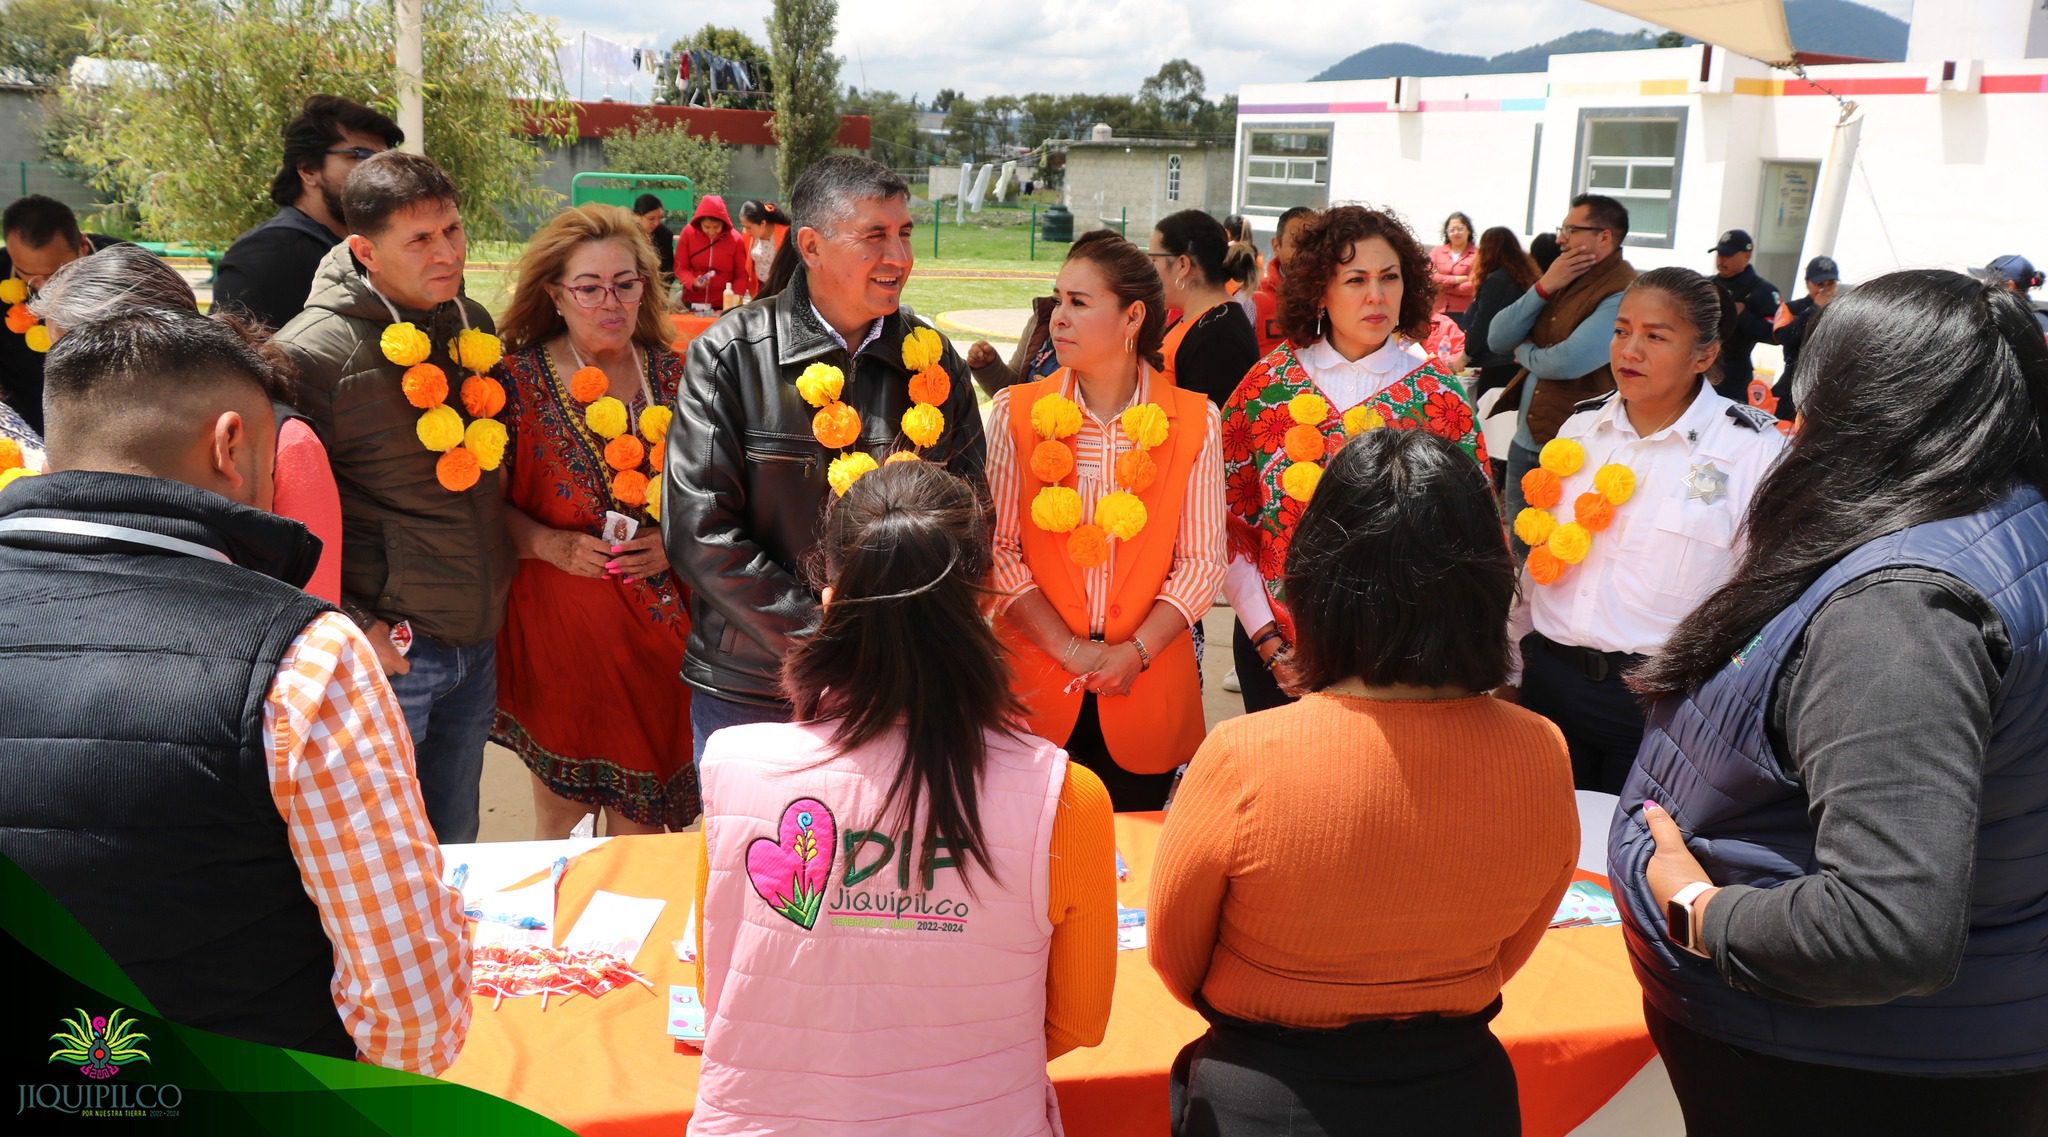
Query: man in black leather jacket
point(745, 487)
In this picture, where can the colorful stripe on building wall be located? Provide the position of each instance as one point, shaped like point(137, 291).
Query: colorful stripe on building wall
point(1667, 88)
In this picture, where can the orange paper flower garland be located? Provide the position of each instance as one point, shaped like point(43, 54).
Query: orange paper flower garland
point(634, 464)
point(836, 425)
point(466, 449)
point(1305, 445)
point(1554, 547)
point(13, 463)
point(1119, 514)
point(21, 321)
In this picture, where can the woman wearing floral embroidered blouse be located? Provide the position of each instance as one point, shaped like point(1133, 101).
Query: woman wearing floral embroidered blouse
point(1108, 492)
point(1354, 304)
point(596, 623)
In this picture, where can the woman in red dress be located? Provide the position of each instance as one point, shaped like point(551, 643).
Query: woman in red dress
point(594, 631)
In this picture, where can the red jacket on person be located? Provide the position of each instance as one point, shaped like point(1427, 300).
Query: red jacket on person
point(721, 262)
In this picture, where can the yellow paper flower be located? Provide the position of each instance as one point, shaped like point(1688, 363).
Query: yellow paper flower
point(37, 338)
point(1056, 509)
point(921, 349)
point(1299, 482)
point(1056, 416)
point(1570, 542)
point(606, 418)
point(1122, 514)
point(1308, 409)
point(9, 477)
point(13, 290)
point(1534, 526)
point(923, 423)
point(902, 456)
point(1358, 420)
point(1563, 457)
point(654, 424)
point(405, 344)
point(440, 429)
point(653, 504)
point(820, 383)
point(486, 439)
point(1145, 424)
point(477, 350)
point(848, 469)
point(1615, 482)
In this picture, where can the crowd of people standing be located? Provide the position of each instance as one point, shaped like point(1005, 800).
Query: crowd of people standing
point(793, 580)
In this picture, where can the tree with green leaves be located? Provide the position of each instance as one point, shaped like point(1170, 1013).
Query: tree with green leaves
point(648, 147)
point(187, 125)
point(730, 43)
point(40, 38)
point(806, 121)
point(1175, 92)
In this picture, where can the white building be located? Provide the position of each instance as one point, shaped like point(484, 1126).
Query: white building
point(1950, 171)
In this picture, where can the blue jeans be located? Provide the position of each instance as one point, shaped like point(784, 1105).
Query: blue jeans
point(450, 698)
point(710, 714)
point(1521, 460)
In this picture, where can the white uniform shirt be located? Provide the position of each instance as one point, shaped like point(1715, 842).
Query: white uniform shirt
point(1346, 383)
point(1669, 547)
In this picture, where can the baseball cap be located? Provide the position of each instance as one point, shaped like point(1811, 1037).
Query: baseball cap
point(1733, 241)
point(2013, 267)
point(1821, 270)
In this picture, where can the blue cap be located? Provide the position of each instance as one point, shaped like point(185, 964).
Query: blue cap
point(2015, 268)
point(1732, 242)
point(1821, 270)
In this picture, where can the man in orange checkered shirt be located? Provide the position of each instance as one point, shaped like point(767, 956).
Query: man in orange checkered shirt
point(203, 764)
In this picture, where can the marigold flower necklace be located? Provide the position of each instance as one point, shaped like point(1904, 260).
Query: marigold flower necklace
point(466, 450)
point(836, 425)
point(21, 321)
point(1119, 514)
point(633, 464)
point(1554, 547)
point(1305, 445)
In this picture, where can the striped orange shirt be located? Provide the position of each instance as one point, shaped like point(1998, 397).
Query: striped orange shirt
point(342, 774)
point(1198, 547)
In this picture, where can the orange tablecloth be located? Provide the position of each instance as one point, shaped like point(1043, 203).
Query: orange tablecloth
point(688, 327)
point(1573, 1021)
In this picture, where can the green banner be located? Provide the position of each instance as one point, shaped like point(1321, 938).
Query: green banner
point(87, 1053)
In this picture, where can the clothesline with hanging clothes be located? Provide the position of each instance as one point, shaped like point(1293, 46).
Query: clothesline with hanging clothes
point(706, 73)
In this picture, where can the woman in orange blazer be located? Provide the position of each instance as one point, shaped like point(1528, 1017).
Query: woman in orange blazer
point(1108, 488)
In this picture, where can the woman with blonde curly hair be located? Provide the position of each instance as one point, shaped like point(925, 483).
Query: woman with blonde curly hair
point(596, 624)
point(1354, 307)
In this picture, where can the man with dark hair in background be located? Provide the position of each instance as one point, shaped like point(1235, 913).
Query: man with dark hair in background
point(268, 271)
point(201, 762)
point(1266, 298)
point(422, 564)
point(42, 237)
point(1755, 302)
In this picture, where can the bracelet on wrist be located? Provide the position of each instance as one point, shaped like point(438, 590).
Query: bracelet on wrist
point(1144, 656)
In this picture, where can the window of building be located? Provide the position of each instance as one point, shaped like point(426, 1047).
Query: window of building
point(1173, 177)
point(1634, 156)
point(1285, 166)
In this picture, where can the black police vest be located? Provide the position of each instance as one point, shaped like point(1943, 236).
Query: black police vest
point(134, 783)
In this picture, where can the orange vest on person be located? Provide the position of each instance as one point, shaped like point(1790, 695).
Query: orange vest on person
point(1170, 347)
point(1158, 725)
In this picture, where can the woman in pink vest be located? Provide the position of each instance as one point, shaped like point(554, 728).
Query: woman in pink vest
point(908, 905)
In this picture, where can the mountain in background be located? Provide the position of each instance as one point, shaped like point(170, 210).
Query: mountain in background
point(1831, 27)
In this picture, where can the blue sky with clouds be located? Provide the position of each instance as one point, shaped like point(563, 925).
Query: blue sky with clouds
point(984, 48)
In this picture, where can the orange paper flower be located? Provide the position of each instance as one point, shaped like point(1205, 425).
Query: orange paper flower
point(902, 456)
point(1541, 488)
point(932, 385)
point(1051, 461)
point(425, 385)
point(1088, 546)
point(1594, 512)
point(457, 470)
point(656, 455)
point(482, 396)
point(588, 385)
point(624, 453)
point(1304, 443)
point(836, 425)
point(10, 454)
point(1136, 471)
point(1544, 568)
point(630, 488)
point(20, 319)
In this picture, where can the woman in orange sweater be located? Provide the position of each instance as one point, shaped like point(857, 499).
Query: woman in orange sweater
point(1345, 883)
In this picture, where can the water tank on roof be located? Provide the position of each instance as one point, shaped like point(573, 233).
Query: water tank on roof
point(1101, 132)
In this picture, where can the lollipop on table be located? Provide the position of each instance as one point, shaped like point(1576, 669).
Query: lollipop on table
point(517, 972)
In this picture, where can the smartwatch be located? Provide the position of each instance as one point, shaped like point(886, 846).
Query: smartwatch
point(1682, 920)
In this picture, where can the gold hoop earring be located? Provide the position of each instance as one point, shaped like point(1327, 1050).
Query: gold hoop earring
point(1130, 345)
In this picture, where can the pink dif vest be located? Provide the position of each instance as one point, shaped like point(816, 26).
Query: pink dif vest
point(845, 994)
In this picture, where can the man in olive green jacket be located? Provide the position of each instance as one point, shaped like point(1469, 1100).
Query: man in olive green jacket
point(423, 568)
